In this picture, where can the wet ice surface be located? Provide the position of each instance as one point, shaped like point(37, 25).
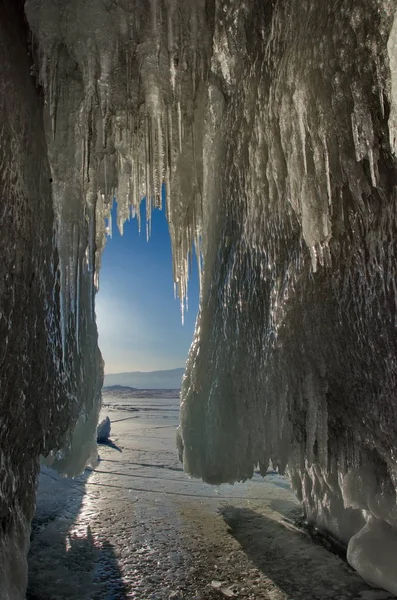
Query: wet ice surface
point(137, 527)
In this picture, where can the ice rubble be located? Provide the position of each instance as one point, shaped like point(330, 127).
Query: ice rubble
point(272, 125)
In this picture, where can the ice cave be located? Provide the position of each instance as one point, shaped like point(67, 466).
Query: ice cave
point(273, 126)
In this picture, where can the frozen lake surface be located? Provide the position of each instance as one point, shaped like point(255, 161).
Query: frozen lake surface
point(137, 527)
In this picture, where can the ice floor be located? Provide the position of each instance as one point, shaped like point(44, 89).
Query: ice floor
point(138, 528)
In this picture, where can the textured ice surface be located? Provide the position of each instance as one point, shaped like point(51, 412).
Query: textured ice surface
point(273, 126)
point(137, 527)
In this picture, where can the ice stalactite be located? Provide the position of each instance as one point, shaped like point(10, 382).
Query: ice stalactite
point(136, 107)
point(272, 125)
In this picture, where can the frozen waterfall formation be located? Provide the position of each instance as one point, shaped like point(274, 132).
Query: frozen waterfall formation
point(273, 125)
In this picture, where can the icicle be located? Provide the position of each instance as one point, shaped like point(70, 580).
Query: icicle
point(160, 164)
point(327, 172)
point(372, 166)
point(109, 227)
point(153, 164)
point(154, 11)
point(392, 52)
point(380, 87)
point(53, 96)
point(62, 310)
point(147, 173)
point(168, 164)
point(179, 126)
point(78, 300)
point(170, 35)
point(104, 85)
point(299, 103)
point(44, 71)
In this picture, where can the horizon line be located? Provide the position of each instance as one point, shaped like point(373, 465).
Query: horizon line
point(145, 372)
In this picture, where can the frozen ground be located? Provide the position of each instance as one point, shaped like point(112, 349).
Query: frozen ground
point(138, 528)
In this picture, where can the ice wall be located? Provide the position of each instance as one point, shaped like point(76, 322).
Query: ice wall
point(294, 353)
point(273, 126)
point(50, 376)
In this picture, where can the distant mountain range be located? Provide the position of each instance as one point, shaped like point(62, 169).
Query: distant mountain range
point(151, 380)
point(120, 392)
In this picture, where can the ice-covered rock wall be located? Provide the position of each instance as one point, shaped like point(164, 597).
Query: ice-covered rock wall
point(294, 357)
point(24, 326)
point(45, 385)
point(273, 125)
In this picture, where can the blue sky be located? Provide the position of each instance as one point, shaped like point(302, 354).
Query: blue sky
point(139, 321)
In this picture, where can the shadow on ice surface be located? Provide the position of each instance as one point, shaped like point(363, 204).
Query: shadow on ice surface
point(81, 565)
point(110, 444)
point(288, 557)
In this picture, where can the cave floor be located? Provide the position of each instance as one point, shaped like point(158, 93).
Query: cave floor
point(138, 528)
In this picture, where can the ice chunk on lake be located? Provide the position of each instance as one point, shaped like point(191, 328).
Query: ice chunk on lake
point(103, 431)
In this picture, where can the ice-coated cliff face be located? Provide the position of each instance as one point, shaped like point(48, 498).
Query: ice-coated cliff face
point(43, 389)
point(273, 126)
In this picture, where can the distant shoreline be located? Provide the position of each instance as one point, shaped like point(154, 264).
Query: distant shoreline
point(125, 391)
point(151, 380)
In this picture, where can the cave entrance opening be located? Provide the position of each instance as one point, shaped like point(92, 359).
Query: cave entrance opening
point(138, 317)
